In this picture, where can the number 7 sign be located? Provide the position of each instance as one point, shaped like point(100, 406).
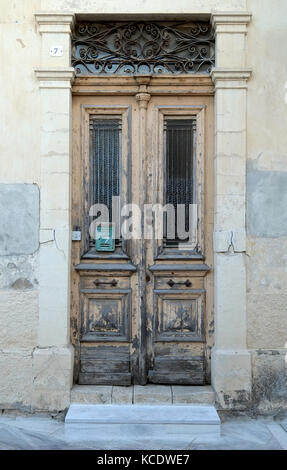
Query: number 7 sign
point(56, 51)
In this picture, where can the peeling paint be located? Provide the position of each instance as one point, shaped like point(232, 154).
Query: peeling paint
point(20, 218)
point(18, 267)
point(22, 284)
point(266, 203)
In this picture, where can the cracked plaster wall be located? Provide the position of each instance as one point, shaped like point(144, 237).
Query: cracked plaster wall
point(19, 280)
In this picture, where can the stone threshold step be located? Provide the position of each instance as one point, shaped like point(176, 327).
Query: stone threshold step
point(142, 414)
point(177, 419)
point(143, 394)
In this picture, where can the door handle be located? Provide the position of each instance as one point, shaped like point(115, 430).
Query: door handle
point(112, 283)
point(186, 283)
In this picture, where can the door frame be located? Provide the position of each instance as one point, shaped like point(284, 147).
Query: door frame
point(143, 88)
point(231, 357)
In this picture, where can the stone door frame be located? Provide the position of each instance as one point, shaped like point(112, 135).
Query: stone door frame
point(231, 361)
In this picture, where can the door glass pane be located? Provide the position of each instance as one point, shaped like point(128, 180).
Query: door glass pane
point(105, 179)
point(180, 170)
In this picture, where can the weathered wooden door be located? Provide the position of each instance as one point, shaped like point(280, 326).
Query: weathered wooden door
point(142, 311)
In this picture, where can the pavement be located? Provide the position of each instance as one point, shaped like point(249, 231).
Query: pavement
point(38, 432)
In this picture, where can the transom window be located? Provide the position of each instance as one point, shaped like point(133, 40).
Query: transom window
point(128, 48)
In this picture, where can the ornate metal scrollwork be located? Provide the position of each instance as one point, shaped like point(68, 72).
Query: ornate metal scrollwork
point(142, 47)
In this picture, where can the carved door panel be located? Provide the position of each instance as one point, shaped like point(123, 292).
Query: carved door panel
point(142, 309)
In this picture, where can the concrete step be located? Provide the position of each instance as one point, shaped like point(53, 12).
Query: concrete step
point(138, 394)
point(157, 420)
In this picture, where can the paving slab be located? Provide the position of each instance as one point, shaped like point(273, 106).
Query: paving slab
point(145, 394)
point(122, 395)
point(279, 433)
point(237, 433)
point(187, 394)
point(92, 394)
point(152, 394)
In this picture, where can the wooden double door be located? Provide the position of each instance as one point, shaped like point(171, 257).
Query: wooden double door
point(142, 299)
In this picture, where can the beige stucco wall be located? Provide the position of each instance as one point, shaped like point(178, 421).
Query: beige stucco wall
point(267, 152)
point(266, 192)
point(144, 6)
point(19, 151)
point(20, 55)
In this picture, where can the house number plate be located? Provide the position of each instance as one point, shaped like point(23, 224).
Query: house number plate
point(56, 51)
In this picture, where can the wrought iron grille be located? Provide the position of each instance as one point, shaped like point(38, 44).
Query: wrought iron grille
point(180, 135)
point(142, 48)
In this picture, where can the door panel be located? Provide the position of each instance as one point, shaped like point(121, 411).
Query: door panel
point(143, 312)
point(106, 315)
point(104, 308)
point(178, 322)
point(178, 316)
point(104, 364)
point(177, 294)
